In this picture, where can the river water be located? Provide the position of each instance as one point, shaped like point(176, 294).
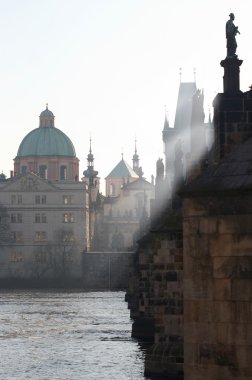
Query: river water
point(67, 336)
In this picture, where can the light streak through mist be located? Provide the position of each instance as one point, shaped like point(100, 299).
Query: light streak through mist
point(201, 138)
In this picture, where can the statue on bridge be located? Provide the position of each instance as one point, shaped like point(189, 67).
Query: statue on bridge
point(231, 31)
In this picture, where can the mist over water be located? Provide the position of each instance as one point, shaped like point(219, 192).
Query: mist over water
point(67, 336)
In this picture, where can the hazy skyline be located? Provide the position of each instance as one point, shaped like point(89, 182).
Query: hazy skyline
point(108, 68)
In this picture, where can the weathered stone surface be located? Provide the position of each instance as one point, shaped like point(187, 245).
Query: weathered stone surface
point(241, 290)
point(158, 294)
point(165, 360)
point(222, 289)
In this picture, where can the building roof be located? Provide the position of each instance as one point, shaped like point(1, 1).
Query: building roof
point(233, 173)
point(122, 170)
point(139, 184)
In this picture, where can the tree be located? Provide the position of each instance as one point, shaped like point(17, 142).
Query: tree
point(62, 251)
point(5, 231)
point(54, 259)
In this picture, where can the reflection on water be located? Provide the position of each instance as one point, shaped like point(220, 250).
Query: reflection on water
point(67, 336)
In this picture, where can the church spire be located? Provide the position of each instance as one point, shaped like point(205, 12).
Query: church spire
point(166, 122)
point(135, 160)
point(90, 173)
point(137, 169)
point(194, 74)
point(90, 157)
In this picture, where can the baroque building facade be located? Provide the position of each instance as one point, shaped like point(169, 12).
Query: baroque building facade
point(46, 208)
point(118, 218)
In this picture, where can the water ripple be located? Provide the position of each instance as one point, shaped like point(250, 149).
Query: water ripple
point(67, 336)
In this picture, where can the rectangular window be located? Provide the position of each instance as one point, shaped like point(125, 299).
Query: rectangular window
point(43, 218)
point(16, 257)
point(40, 257)
point(65, 218)
point(40, 218)
point(13, 218)
point(17, 236)
point(16, 218)
point(67, 199)
point(68, 218)
point(16, 199)
point(40, 199)
point(19, 218)
point(67, 236)
point(40, 236)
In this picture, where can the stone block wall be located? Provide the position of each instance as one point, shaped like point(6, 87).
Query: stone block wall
point(156, 297)
point(218, 287)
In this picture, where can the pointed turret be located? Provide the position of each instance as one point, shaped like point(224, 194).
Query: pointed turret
point(166, 128)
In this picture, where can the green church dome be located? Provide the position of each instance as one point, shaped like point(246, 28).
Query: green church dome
point(46, 140)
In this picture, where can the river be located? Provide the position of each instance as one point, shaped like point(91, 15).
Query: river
point(47, 335)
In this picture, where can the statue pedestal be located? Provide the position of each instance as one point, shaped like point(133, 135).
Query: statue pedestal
point(231, 78)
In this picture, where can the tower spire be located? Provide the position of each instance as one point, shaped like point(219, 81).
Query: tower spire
point(90, 173)
point(137, 169)
point(166, 121)
point(135, 159)
point(180, 74)
point(194, 74)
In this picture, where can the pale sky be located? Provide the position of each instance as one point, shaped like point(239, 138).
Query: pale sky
point(108, 68)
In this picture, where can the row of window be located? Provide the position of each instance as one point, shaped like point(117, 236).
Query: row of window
point(43, 257)
point(41, 218)
point(40, 257)
point(17, 236)
point(39, 199)
point(42, 172)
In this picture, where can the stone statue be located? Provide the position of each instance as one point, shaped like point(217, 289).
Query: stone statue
point(160, 169)
point(231, 31)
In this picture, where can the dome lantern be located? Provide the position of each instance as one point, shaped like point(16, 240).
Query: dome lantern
point(46, 118)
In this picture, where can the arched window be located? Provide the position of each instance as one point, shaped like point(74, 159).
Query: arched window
point(43, 171)
point(23, 169)
point(63, 173)
point(112, 189)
